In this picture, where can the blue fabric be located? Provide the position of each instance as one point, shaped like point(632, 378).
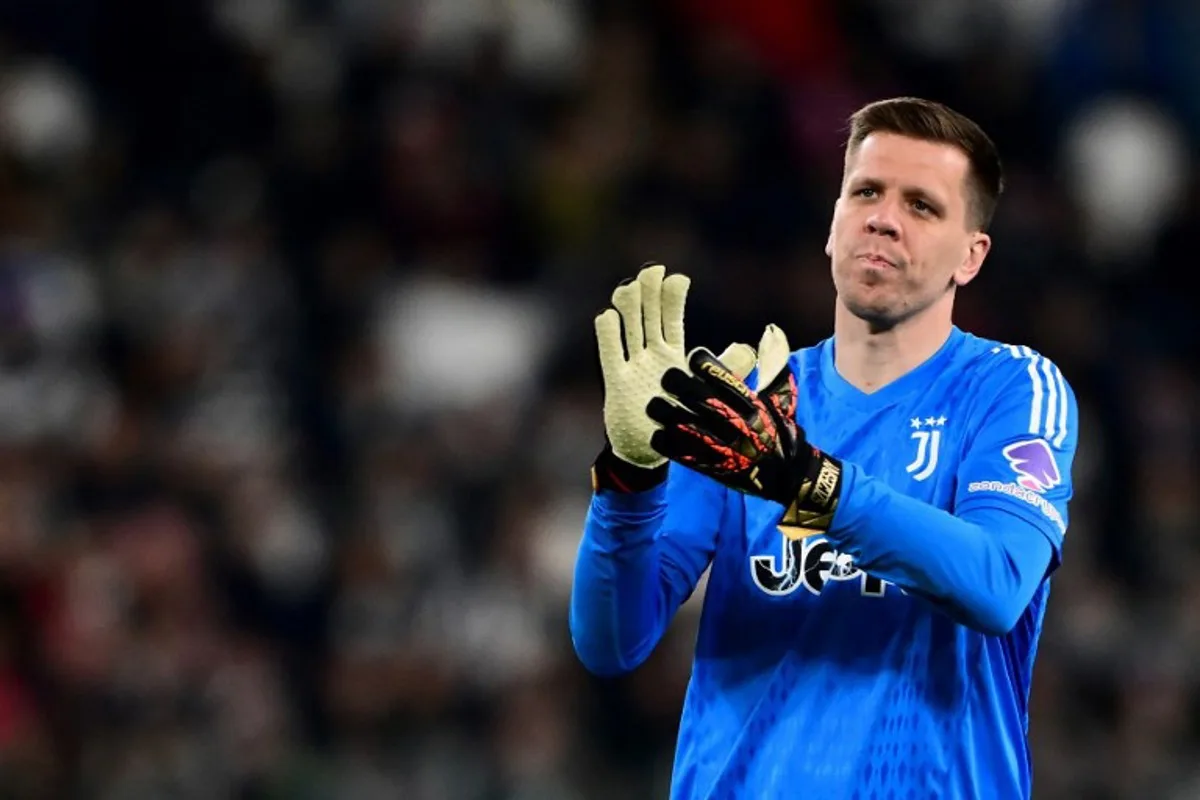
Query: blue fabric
point(891, 657)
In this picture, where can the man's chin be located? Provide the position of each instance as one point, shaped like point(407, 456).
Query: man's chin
point(878, 316)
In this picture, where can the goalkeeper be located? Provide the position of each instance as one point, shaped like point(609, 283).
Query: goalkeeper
point(880, 513)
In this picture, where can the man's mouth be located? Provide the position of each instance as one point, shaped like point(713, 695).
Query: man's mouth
point(877, 260)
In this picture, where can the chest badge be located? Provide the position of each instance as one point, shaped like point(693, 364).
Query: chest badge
point(927, 432)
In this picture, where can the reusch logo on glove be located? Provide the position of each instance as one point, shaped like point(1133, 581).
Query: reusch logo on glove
point(724, 376)
point(826, 484)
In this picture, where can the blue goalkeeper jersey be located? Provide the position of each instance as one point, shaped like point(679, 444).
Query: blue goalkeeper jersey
point(891, 657)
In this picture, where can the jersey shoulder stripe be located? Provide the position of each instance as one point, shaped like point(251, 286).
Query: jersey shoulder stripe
point(1049, 403)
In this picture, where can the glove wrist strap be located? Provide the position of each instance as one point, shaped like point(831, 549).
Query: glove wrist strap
point(811, 510)
point(617, 475)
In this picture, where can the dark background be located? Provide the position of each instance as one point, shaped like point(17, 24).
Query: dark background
point(298, 390)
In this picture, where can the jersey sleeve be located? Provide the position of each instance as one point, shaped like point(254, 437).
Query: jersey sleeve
point(1020, 458)
point(641, 556)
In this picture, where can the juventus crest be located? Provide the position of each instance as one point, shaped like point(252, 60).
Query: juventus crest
point(928, 434)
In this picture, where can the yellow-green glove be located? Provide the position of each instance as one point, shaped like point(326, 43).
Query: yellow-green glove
point(639, 339)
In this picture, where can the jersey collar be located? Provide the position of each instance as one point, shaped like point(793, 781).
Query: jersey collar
point(919, 376)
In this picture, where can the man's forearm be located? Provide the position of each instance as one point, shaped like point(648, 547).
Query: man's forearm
point(985, 566)
point(631, 575)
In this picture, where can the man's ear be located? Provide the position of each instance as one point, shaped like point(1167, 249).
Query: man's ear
point(972, 261)
point(829, 238)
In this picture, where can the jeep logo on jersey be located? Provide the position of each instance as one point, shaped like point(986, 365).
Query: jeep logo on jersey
point(1034, 463)
point(811, 563)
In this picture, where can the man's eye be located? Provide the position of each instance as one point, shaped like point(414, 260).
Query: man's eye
point(866, 191)
point(921, 207)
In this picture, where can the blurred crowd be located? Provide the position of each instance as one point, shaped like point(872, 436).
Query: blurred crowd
point(298, 392)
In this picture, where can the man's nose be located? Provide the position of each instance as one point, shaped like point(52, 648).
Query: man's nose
point(882, 221)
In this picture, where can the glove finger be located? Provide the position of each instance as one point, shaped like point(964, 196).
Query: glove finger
point(627, 299)
point(707, 409)
point(717, 420)
point(608, 342)
point(740, 359)
point(680, 444)
point(651, 280)
point(750, 429)
point(674, 298)
point(700, 451)
point(773, 355)
point(721, 382)
point(776, 383)
point(689, 390)
point(667, 413)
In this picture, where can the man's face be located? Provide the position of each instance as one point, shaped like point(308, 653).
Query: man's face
point(901, 237)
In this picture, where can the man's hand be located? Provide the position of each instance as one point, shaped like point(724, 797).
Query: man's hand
point(747, 440)
point(649, 311)
point(640, 339)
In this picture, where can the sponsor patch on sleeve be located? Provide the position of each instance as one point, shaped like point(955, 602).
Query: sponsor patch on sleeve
point(1029, 496)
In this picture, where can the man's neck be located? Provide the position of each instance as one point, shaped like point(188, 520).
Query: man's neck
point(870, 360)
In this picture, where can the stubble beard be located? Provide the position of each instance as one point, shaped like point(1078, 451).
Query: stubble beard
point(879, 317)
point(881, 313)
point(886, 313)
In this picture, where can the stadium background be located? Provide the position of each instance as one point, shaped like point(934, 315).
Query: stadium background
point(298, 390)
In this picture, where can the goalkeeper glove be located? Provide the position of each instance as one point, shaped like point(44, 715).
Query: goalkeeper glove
point(640, 339)
point(748, 440)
